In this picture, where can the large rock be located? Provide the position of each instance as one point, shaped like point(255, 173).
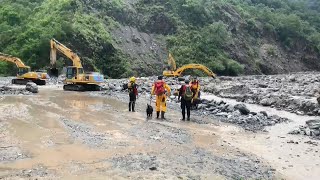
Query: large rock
point(242, 108)
point(32, 87)
point(267, 101)
point(318, 100)
point(313, 124)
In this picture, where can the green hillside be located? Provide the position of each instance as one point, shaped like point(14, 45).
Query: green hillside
point(229, 36)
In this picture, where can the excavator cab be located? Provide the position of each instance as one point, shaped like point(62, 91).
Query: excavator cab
point(23, 70)
point(73, 72)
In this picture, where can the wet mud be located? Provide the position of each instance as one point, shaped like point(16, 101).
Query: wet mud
point(67, 135)
point(72, 135)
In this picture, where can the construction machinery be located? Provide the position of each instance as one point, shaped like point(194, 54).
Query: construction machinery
point(174, 72)
point(76, 79)
point(24, 74)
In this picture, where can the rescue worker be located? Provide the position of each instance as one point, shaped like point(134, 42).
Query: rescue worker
point(195, 87)
point(161, 90)
point(133, 93)
point(186, 96)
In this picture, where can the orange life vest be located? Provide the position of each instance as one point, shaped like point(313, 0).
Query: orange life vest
point(194, 85)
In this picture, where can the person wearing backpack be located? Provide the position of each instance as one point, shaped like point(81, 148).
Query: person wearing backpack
point(186, 96)
point(133, 93)
point(161, 90)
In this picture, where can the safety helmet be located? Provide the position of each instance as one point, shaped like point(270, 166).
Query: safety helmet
point(132, 79)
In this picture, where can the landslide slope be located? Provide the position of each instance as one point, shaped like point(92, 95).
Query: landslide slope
point(132, 37)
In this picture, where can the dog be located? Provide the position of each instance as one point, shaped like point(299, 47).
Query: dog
point(149, 111)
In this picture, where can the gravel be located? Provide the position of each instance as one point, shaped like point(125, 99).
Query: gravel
point(216, 110)
point(295, 93)
point(197, 163)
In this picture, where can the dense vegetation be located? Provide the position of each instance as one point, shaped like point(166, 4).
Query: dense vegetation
point(203, 31)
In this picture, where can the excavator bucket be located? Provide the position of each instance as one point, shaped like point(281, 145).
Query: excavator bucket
point(53, 72)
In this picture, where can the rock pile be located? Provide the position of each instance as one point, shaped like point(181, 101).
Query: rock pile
point(4, 90)
point(294, 93)
point(238, 114)
point(312, 128)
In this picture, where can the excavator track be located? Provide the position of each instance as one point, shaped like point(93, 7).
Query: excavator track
point(81, 87)
point(39, 82)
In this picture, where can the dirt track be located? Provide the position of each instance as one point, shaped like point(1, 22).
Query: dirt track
point(70, 135)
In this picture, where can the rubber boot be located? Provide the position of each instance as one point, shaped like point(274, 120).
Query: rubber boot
point(133, 105)
point(130, 106)
point(183, 117)
point(162, 115)
point(158, 113)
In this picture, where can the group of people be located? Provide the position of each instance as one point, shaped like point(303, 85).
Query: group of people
point(189, 93)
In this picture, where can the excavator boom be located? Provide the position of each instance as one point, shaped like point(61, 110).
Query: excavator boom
point(12, 59)
point(56, 45)
point(205, 69)
point(174, 72)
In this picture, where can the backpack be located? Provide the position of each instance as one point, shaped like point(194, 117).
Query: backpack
point(159, 88)
point(188, 94)
point(130, 84)
point(130, 87)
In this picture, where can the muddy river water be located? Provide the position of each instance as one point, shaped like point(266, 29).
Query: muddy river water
point(71, 135)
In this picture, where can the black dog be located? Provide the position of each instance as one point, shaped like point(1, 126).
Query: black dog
point(149, 111)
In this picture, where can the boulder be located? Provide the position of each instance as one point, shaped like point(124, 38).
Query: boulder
point(267, 102)
point(318, 100)
point(242, 108)
point(32, 87)
point(313, 124)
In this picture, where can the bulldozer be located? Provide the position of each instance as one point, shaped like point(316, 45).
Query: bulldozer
point(76, 79)
point(24, 74)
point(174, 72)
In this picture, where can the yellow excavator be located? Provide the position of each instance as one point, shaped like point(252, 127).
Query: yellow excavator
point(174, 72)
point(76, 78)
point(24, 74)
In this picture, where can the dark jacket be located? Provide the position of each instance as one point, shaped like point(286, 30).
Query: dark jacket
point(182, 91)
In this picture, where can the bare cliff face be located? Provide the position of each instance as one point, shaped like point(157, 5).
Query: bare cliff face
point(143, 37)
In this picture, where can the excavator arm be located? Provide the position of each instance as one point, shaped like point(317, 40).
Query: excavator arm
point(179, 71)
point(174, 72)
point(57, 46)
point(12, 59)
point(195, 66)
